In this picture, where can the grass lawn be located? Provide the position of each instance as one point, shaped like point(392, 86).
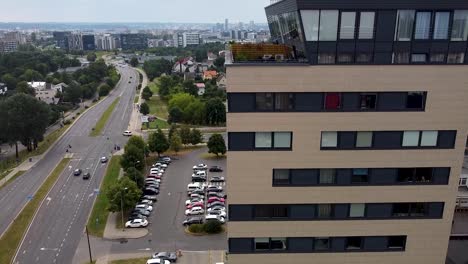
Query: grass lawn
point(130, 261)
point(99, 54)
point(101, 123)
point(96, 228)
point(210, 156)
point(158, 123)
point(10, 162)
point(12, 237)
point(154, 86)
point(136, 99)
point(157, 107)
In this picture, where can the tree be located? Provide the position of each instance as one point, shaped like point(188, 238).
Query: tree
point(215, 112)
point(216, 145)
point(175, 115)
point(132, 157)
point(91, 57)
point(194, 113)
point(9, 80)
point(172, 130)
point(190, 87)
point(144, 109)
point(176, 142)
point(134, 61)
point(155, 68)
point(136, 176)
point(146, 93)
point(31, 75)
point(72, 93)
point(185, 134)
point(104, 90)
point(212, 227)
point(157, 142)
point(137, 141)
point(124, 193)
point(23, 87)
point(219, 62)
point(181, 100)
point(196, 137)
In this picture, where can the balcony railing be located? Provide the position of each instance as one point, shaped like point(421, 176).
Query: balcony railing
point(262, 53)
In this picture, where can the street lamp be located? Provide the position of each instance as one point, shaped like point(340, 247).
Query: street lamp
point(121, 207)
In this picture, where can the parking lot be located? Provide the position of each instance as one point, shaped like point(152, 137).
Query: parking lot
point(166, 232)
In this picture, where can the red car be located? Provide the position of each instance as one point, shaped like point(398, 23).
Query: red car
point(153, 176)
point(200, 204)
point(215, 199)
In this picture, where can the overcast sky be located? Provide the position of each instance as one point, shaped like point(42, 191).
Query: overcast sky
point(211, 11)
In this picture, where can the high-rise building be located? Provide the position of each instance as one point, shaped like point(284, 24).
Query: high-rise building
point(346, 139)
point(190, 39)
point(226, 24)
point(133, 41)
point(75, 41)
point(88, 42)
point(61, 39)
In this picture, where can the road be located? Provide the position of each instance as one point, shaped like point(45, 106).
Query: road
point(56, 230)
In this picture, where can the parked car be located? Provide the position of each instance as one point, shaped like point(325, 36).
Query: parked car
point(199, 174)
point(136, 216)
point(153, 198)
point(171, 256)
point(166, 159)
point(86, 176)
point(214, 188)
point(196, 200)
point(152, 181)
point(152, 186)
point(141, 211)
point(193, 220)
point(151, 176)
point(196, 204)
point(200, 166)
point(196, 195)
point(146, 201)
point(158, 261)
point(216, 194)
point(215, 218)
point(214, 199)
point(198, 191)
point(77, 172)
point(209, 205)
point(150, 191)
point(194, 186)
point(218, 212)
point(104, 159)
point(127, 133)
point(216, 208)
point(216, 169)
point(198, 179)
point(194, 211)
point(144, 207)
point(217, 179)
point(137, 223)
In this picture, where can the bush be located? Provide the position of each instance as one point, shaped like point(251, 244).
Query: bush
point(67, 122)
point(78, 113)
point(196, 228)
point(212, 227)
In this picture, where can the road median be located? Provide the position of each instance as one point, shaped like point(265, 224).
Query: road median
point(104, 118)
point(11, 239)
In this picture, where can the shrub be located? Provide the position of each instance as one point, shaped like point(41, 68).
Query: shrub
point(196, 228)
point(67, 122)
point(212, 227)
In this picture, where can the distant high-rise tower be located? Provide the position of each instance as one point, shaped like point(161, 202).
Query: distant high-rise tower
point(226, 24)
point(252, 24)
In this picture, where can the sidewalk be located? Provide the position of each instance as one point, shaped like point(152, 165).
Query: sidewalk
point(135, 119)
point(188, 257)
point(111, 232)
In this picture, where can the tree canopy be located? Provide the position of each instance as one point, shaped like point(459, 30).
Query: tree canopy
point(155, 68)
point(216, 145)
point(124, 193)
point(158, 142)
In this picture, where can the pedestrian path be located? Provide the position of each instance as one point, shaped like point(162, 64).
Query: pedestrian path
point(111, 232)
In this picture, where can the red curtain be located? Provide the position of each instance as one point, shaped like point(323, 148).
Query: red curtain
point(332, 101)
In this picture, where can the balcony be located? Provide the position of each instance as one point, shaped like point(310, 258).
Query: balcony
point(263, 53)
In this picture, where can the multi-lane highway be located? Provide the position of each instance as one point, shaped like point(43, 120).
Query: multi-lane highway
point(56, 230)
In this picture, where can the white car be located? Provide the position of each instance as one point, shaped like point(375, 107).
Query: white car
point(146, 201)
point(157, 261)
point(103, 159)
point(211, 209)
point(144, 207)
point(200, 166)
point(215, 217)
point(155, 170)
point(217, 213)
point(127, 133)
point(194, 211)
point(199, 174)
point(190, 201)
point(137, 223)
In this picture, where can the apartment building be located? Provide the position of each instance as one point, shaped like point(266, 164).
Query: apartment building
point(346, 139)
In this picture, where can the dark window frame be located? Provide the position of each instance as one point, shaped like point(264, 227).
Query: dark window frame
point(361, 243)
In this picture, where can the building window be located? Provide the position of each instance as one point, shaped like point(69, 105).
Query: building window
point(418, 209)
point(456, 58)
point(284, 101)
point(357, 210)
point(279, 211)
point(332, 101)
point(368, 101)
point(401, 57)
point(396, 242)
point(409, 209)
point(262, 211)
point(278, 243)
point(262, 244)
point(410, 139)
point(329, 139)
point(353, 243)
point(322, 243)
point(462, 182)
point(282, 139)
point(423, 25)
point(405, 21)
point(364, 57)
point(348, 22)
point(264, 101)
point(360, 176)
point(429, 138)
point(310, 21)
point(327, 176)
point(366, 25)
point(324, 210)
point(326, 58)
point(418, 58)
point(438, 57)
point(460, 25)
point(328, 25)
point(263, 140)
point(280, 177)
point(364, 139)
point(345, 58)
point(441, 25)
point(415, 100)
point(414, 175)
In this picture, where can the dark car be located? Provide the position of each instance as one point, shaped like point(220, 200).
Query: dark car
point(167, 162)
point(198, 179)
point(213, 204)
point(171, 256)
point(193, 220)
point(141, 211)
point(77, 172)
point(217, 194)
point(150, 197)
point(216, 169)
point(86, 176)
point(136, 216)
point(217, 179)
point(214, 189)
point(150, 191)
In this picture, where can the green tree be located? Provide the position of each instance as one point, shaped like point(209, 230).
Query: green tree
point(212, 227)
point(134, 61)
point(173, 129)
point(124, 193)
point(158, 142)
point(23, 87)
point(165, 83)
point(185, 134)
point(196, 136)
point(104, 90)
point(91, 57)
point(137, 141)
point(136, 176)
point(216, 145)
point(190, 87)
point(175, 115)
point(175, 142)
point(144, 109)
point(9, 80)
point(181, 100)
point(72, 93)
point(132, 157)
point(215, 112)
point(219, 62)
point(155, 68)
point(31, 75)
point(194, 113)
point(146, 93)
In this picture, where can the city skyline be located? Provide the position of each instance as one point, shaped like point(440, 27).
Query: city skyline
point(117, 11)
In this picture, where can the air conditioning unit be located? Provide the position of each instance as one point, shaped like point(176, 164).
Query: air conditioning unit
point(279, 57)
point(267, 56)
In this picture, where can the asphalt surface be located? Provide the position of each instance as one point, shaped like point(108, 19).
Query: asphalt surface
point(166, 232)
point(56, 230)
